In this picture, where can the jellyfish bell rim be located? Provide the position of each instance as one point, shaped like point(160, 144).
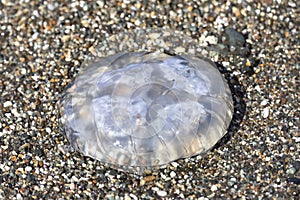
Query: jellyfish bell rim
point(96, 54)
point(146, 166)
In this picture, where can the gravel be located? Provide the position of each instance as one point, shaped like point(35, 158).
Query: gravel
point(255, 45)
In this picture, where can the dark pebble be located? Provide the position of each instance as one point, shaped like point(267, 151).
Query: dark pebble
point(234, 38)
point(294, 180)
point(247, 70)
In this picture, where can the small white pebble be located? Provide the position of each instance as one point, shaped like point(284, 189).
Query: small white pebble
point(211, 39)
point(179, 49)
point(214, 188)
point(163, 176)
point(233, 179)
point(48, 130)
point(6, 168)
point(37, 188)
point(23, 71)
point(68, 58)
point(175, 164)
point(257, 88)
point(133, 196)
point(14, 111)
point(161, 193)
point(7, 104)
point(75, 179)
point(28, 169)
point(292, 4)
point(236, 73)
point(19, 196)
point(4, 147)
point(35, 77)
point(203, 198)
point(264, 102)
point(172, 174)
point(225, 64)
point(101, 4)
point(297, 139)
point(265, 112)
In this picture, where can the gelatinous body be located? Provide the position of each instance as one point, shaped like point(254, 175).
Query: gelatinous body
point(146, 109)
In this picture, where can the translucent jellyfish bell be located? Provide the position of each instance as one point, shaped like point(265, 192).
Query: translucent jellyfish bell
point(140, 109)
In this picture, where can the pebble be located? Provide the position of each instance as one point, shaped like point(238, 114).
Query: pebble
point(172, 174)
point(7, 104)
point(48, 130)
point(234, 38)
point(19, 196)
point(161, 193)
point(15, 112)
point(179, 49)
point(266, 112)
point(174, 164)
point(257, 88)
point(214, 188)
point(211, 39)
point(133, 196)
point(28, 168)
point(291, 170)
point(203, 198)
point(264, 102)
